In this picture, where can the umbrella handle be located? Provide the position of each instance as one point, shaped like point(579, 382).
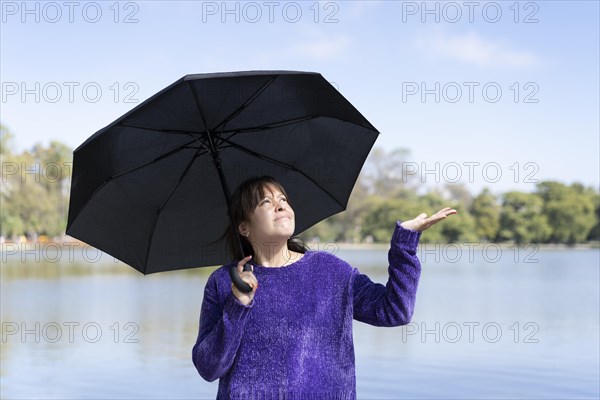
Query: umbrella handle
point(237, 281)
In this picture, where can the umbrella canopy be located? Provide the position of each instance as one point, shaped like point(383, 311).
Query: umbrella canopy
point(145, 188)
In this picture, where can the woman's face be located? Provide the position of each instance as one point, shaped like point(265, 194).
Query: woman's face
point(272, 219)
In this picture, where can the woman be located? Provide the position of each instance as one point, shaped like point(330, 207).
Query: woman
point(292, 339)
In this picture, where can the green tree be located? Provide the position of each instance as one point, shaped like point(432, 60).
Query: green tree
point(486, 213)
point(430, 203)
point(522, 219)
point(595, 231)
point(10, 222)
point(381, 215)
point(346, 225)
point(54, 166)
point(35, 188)
point(25, 199)
point(459, 228)
point(570, 211)
point(6, 141)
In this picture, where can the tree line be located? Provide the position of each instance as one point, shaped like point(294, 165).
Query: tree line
point(553, 213)
point(35, 192)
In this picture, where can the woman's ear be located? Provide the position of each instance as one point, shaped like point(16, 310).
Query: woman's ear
point(243, 229)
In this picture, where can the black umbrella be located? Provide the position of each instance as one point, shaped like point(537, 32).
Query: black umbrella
point(152, 188)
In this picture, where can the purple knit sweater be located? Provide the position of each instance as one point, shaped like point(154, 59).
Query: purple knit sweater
point(294, 340)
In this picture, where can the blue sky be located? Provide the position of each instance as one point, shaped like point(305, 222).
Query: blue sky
point(380, 55)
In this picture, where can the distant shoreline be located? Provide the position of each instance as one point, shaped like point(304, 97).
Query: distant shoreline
point(476, 245)
point(76, 244)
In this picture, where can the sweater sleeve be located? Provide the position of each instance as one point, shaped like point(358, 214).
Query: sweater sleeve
point(392, 304)
point(220, 332)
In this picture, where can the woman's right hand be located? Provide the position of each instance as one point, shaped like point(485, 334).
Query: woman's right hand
point(249, 278)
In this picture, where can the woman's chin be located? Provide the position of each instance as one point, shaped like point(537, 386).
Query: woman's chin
point(287, 233)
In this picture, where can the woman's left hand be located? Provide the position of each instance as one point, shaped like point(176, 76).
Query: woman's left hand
point(422, 222)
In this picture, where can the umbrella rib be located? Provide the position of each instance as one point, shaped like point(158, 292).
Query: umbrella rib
point(282, 164)
point(280, 124)
point(163, 156)
point(235, 130)
point(162, 206)
point(269, 126)
point(174, 131)
point(246, 103)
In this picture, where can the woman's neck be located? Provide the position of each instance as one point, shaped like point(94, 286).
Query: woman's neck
point(274, 255)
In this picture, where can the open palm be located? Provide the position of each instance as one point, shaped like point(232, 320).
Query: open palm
point(422, 222)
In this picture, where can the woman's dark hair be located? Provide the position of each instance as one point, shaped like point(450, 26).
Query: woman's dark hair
point(243, 202)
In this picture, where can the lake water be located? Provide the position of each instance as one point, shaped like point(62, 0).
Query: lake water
point(486, 326)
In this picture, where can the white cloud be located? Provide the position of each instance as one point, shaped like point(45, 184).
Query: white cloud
point(473, 49)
